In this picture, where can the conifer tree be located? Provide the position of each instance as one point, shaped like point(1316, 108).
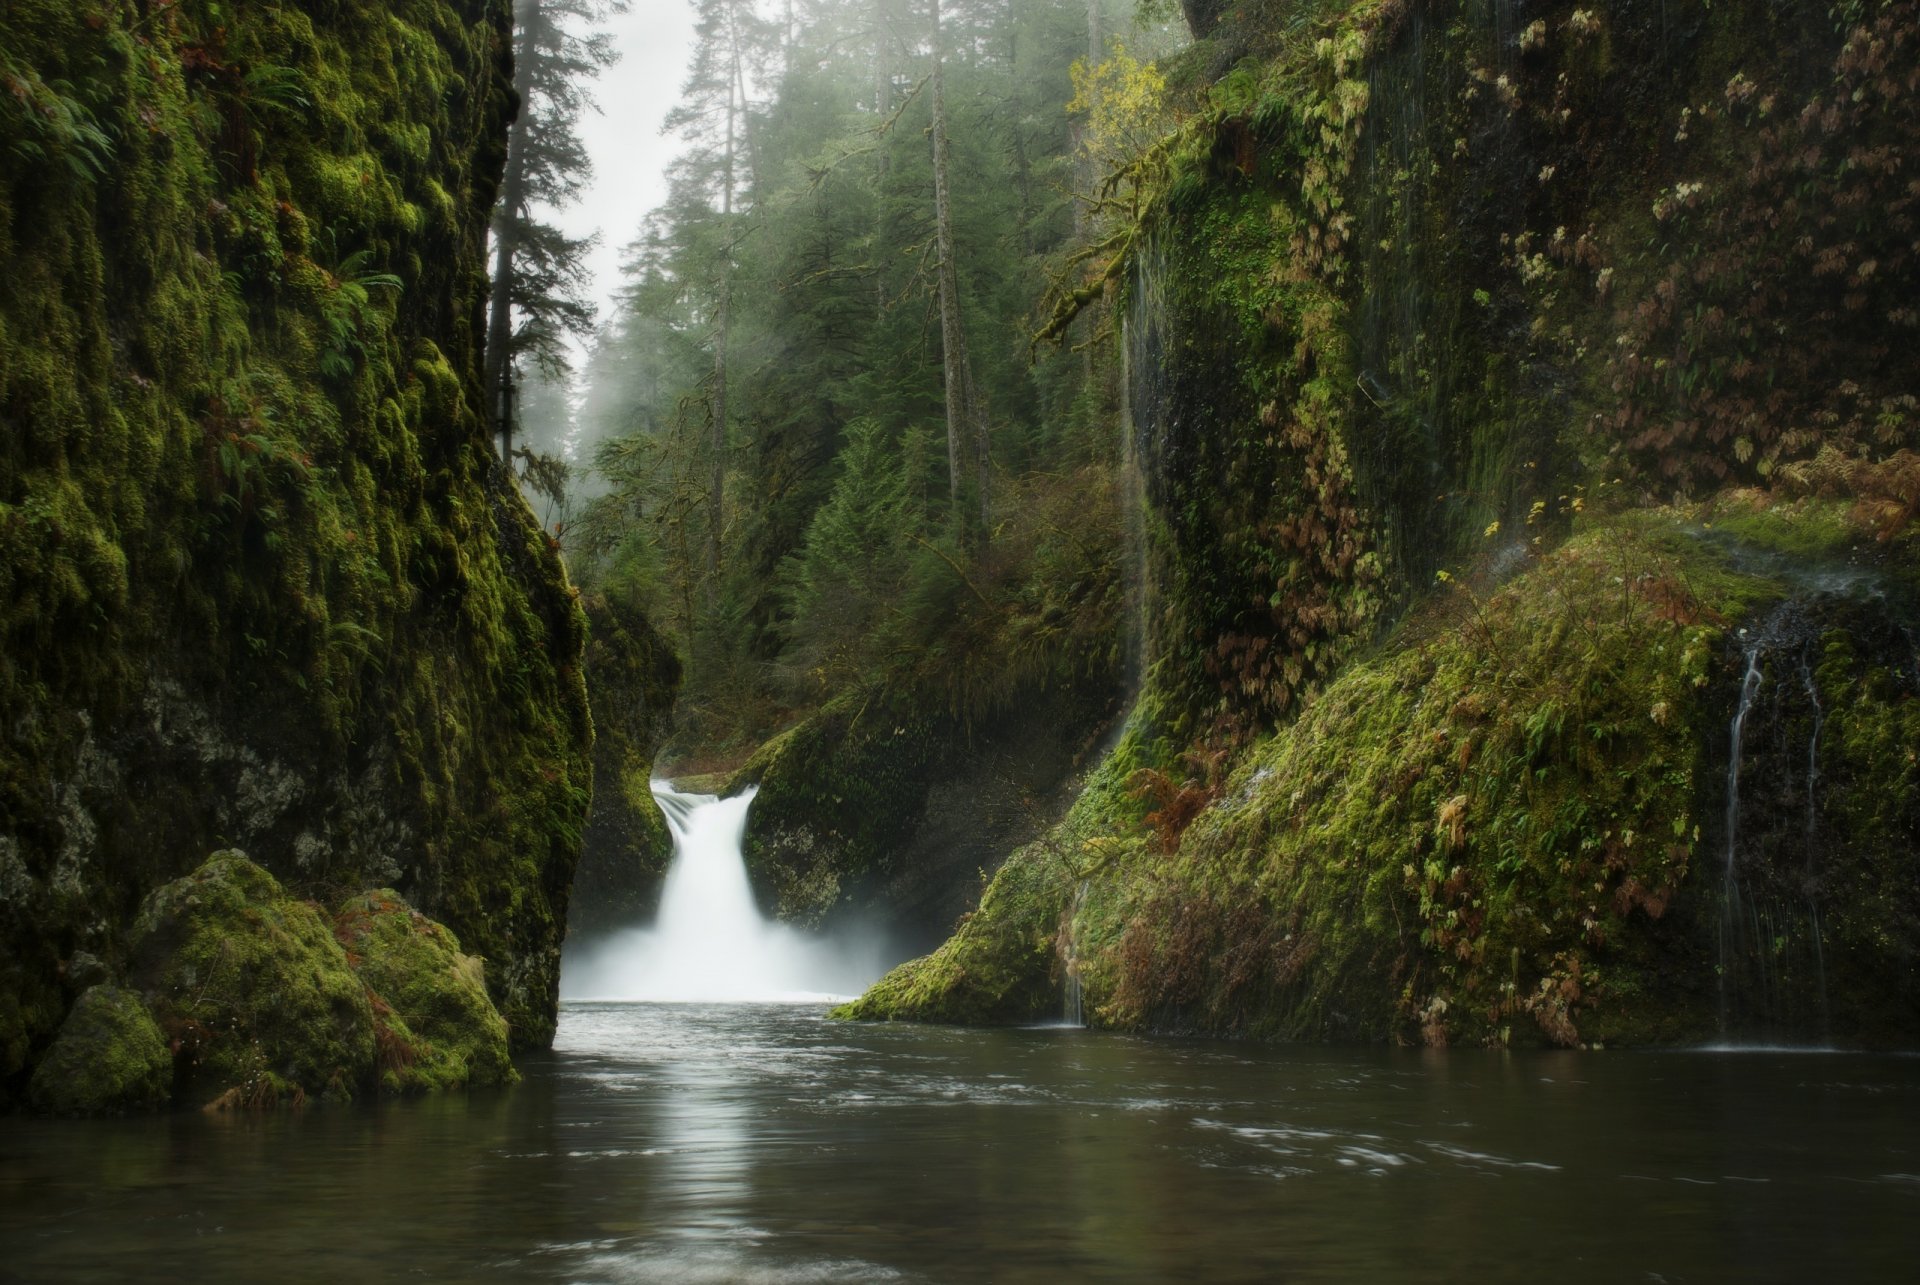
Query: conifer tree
point(966, 433)
point(715, 116)
point(539, 287)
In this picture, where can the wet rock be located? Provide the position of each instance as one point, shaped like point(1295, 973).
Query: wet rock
point(85, 971)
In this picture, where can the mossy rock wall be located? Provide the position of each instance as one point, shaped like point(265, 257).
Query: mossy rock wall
point(1421, 290)
point(891, 811)
point(263, 581)
point(632, 674)
point(1509, 825)
point(1412, 268)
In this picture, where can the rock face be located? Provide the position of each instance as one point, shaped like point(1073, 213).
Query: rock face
point(888, 812)
point(633, 675)
point(262, 582)
point(1465, 515)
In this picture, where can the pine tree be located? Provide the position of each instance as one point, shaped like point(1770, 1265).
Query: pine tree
point(539, 282)
point(966, 433)
point(715, 116)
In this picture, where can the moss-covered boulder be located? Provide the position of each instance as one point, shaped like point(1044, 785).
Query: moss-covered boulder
point(434, 1026)
point(253, 988)
point(886, 806)
point(109, 1058)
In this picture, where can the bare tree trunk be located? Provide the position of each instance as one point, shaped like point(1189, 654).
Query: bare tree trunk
point(717, 446)
point(962, 430)
point(882, 104)
point(499, 361)
point(1022, 167)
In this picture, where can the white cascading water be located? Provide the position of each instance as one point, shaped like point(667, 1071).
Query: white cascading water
point(710, 943)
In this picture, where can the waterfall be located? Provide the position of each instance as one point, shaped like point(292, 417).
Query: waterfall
point(1813, 827)
point(1730, 887)
point(710, 943)
point(1772, 966)
point(1073, 1012)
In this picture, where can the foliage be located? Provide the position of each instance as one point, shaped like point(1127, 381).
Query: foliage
point(347, 313)
point(808, 243)
point(540, 296)
point(51, 122)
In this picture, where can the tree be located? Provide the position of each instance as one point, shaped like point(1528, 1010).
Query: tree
point(966, 432)
point(539, 281)
point(714, 116)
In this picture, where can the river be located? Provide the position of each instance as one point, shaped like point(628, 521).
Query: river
point(744, 1142)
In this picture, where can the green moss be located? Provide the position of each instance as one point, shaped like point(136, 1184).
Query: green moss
point(998, 967)
point(1003, 962)
point(633, 675)
point(254, 987)
point(250, 527)
point(433, 1022)
point(109, 1058)
point(1489, 830)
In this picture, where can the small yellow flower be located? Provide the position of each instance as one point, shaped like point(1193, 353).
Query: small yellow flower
point(1493, 529)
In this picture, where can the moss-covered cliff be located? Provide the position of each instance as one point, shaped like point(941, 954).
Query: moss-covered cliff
point(1421, 290)
point(632, 674)
point(263, 582)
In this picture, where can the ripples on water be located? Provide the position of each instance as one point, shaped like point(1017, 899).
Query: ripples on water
point(761, 1143)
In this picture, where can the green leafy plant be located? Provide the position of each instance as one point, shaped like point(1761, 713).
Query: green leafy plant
point(347, 311)
point(51, 123)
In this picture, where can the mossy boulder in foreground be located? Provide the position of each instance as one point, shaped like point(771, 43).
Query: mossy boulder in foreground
point(254, 987)
point(108, 1058)
point(433, 1023)
point(264, 999)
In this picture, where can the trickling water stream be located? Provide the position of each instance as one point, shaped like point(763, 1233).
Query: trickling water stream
point(710, 942)
point(1772, 949)
point(1730, 888)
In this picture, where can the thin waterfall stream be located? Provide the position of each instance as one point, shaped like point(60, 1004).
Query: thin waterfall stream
point(1730, 888)
point(710, 942)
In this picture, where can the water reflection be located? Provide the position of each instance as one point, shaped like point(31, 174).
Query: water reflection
point(741, 1143)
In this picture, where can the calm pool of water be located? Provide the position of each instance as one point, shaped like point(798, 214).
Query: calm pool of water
point(762, 1143)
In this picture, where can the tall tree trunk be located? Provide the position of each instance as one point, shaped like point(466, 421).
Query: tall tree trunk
point(717, 446)
point(882, 104)
point(499, 361)
point(1017, 132)
point(962, 430)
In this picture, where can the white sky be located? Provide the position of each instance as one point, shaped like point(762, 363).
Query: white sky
point(629, 153)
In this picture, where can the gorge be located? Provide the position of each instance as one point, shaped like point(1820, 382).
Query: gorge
point(1141, 641)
